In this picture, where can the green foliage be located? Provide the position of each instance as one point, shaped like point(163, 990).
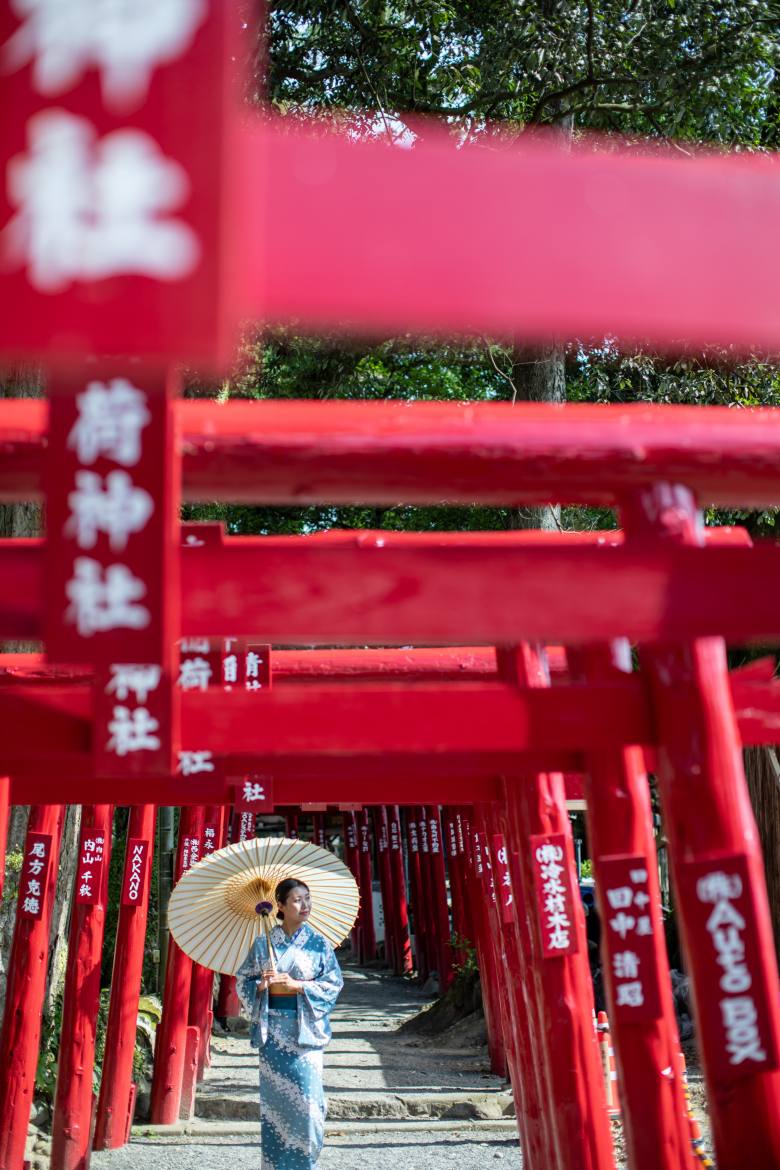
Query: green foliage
point(13, 867)
point(586, 868)
point(465, 965)
point(702, 69)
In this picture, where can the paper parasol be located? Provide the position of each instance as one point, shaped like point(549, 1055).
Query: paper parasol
point(214, 913)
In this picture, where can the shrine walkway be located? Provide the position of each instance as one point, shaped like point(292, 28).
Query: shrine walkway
point(394, 1099)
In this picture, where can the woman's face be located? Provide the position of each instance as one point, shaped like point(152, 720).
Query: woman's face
point(297, 907)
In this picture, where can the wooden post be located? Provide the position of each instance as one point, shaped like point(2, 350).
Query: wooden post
point(201, 1015)
point(21, 1032)
point(438, 894)
point(716, 865)
point(403, 944)
point(366, 889)
point(537, 817)
point(352, 861)
point(636, 967)
point(291, 823)
point(487, 956)
point(382, 838)
point(72, 1120)
point(237, 827)
point(5, 787)
point(116, 1086)
point(421, 960)
point(169, 1052)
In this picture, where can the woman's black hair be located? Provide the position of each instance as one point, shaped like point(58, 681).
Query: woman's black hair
point(285, 888)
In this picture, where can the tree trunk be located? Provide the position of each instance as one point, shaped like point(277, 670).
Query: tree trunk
point(763, 777)
point(538, 375)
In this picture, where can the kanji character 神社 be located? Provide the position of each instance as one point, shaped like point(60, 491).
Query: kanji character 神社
point(90, 209)
point(125, 39)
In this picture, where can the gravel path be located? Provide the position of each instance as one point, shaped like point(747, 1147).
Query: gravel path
point(367, 1150)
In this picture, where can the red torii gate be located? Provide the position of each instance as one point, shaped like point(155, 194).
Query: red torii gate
point(654, 588)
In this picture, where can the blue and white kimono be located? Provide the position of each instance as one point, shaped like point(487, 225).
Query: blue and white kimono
point(291, 1037)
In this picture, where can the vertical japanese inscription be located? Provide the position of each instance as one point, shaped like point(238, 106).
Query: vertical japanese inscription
point(112, 558)
point(734, 1003)
point(552, 867)
point(630, 923)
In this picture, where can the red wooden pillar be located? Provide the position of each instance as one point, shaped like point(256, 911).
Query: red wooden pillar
point(716, 866)
point(641, 1010)
point(237, 827)
point(438, 890)
point(117, 1091)
point(72, 1120)
point(26, 985)
point(530, 1088)
point(291, 824)
point(403, 944)
point(382, 838)
point(318, 836)
point(366, 889)
point(421, 960)
point(453, 834)
point(536, 807)
point(201, 1015)
point(352, 861)
point(5, 787)
point(170, 1043)
point(488, 956)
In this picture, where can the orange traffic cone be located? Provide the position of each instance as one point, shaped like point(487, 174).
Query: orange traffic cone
point(608, 1065)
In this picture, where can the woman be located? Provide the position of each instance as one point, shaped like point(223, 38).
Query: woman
point(290, 1012)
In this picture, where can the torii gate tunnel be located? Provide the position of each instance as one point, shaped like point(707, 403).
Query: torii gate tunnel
point(122, 232)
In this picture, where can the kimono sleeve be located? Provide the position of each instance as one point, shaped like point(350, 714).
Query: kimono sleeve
point(321, 993)
point(246, 978)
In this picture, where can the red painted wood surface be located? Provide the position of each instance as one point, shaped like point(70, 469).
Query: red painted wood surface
point(531, 1085)
point(422, 960)
point(169, 1052)
point(644, 1034)
point(352, 861)
point(159, 292)
point(427, 452)
point(202, 982)
point(329, 588)
point(488, 959)
point(700, 768)
point(26, 981)
point(72, 1118)
point(116, 1085)
point(514, 252)
point(382, 840)
point(404, 949)
point(365, 884)
point(5, 789)
point(564, 985)
point(437, 880)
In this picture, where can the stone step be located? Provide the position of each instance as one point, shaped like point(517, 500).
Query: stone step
point(494, 1105)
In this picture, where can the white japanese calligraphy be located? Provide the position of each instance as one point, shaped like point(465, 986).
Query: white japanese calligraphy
point(100, 602)
point(88, 210)
point(113, 505)
point(191, 763)
point(111, 418)
point(194, 674)
point(133, 731)
point(138, 680)
point(125, 39)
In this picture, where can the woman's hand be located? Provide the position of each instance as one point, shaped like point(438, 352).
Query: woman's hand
point(284, 979)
